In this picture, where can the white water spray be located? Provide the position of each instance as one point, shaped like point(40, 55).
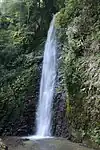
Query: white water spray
point(44, 114)
point(47, 85)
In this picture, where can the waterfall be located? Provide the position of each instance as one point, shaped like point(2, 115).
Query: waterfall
point(43, 120)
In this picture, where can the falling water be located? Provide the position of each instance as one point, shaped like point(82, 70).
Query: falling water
point(47, 84)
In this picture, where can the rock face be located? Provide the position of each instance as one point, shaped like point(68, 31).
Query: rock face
point(59, 116)
point(3, 146)
point(60, 122)
point(78, 24)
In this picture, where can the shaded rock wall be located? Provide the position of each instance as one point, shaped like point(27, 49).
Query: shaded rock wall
point(59, 116)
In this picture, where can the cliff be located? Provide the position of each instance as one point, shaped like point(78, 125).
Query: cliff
point(78, 29)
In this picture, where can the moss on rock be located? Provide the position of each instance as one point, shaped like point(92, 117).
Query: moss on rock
point(78, 27)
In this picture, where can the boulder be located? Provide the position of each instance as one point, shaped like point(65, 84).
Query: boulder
point(3, 146)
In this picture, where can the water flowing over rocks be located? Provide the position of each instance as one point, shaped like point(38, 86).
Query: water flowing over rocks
point(47, 86)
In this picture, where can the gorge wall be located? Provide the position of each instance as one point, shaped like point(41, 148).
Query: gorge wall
point(78, 26)
point(76, 112)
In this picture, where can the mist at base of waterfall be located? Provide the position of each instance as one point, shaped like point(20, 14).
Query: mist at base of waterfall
point(36, 137)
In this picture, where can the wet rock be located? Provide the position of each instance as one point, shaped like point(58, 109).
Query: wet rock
point(59, 117)
point(60, 122)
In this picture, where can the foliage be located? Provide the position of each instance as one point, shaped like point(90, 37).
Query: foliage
point(78, 27)
point(23, 28)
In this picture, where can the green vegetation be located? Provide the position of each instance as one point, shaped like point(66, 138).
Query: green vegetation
point(23, 29)
point(78, 26)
